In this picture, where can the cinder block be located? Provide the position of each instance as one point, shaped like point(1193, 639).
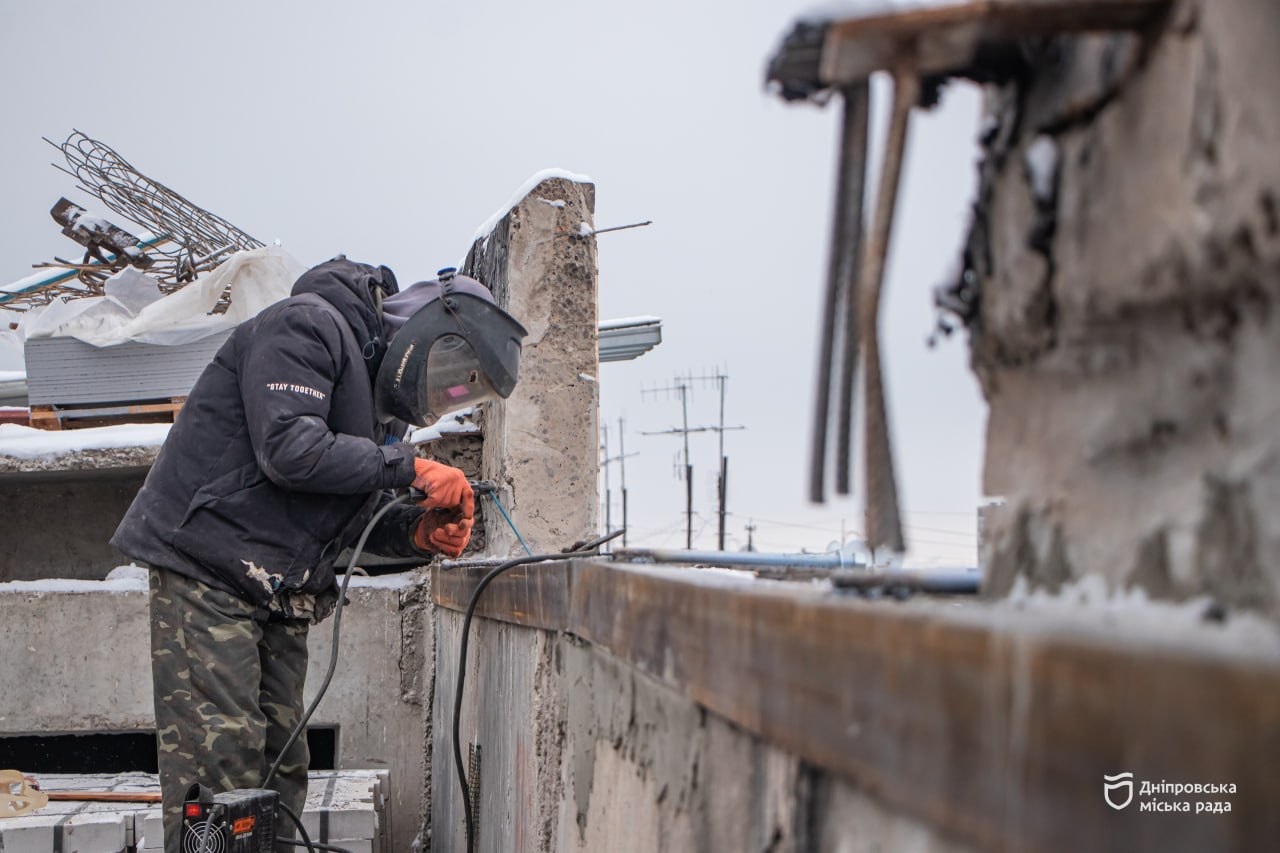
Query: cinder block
point(360, 845)
point(342, 804)
point(148, 825)
point(90, 832)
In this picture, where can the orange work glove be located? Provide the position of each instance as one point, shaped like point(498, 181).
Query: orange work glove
point(437, 532)
point(446, 487)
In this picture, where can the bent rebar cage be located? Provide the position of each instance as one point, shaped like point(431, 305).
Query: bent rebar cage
point(184, 239)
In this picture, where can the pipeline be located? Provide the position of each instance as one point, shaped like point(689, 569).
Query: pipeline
point(845, 572)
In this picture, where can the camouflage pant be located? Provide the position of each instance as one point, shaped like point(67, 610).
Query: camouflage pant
point(228, 693)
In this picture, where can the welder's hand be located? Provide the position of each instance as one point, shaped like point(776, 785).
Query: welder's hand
point(443, 532)
point(446, 487)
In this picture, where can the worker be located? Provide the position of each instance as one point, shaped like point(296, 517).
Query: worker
point(276, 464)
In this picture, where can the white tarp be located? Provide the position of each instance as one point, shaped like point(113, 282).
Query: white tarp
point(133, 308)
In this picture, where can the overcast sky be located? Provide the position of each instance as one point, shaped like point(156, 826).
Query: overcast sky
point(390, 131)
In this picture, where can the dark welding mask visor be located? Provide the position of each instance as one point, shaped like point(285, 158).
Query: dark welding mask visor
point(456, 351)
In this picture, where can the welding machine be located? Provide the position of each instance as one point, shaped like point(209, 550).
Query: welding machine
point(242, 821)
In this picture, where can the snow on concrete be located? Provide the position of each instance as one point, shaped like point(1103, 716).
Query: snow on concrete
point(1041, 158)
point(627, 322)
point(29, 443)
point(1092, 606)
point(399, 580)
point(546, 174)
point(842, 10)
point(129, 578)
point(454, 423)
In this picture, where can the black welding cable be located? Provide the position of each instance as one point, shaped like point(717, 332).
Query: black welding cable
point(333, 665)
point(302, 830)
point(589, 549)
point(337, 628)
point(208, 824)
point(314, 845)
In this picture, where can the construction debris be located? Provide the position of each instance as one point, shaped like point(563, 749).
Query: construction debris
point(180, 242)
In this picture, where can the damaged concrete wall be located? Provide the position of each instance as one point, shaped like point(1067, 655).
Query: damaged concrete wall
point(541, 444)
point(59, 682)
point(82, 495)
point(92, 505)
point(581, 752)
point(626, 707)
point(1127, 253)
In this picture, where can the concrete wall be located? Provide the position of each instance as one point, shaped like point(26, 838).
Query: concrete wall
point(1126, 337)
point(79, 662)
point(582, 752)
point(60, 512)
point(542, 444)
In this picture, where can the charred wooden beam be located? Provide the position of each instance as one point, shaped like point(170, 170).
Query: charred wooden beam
point(976, 39)
point(97, 234)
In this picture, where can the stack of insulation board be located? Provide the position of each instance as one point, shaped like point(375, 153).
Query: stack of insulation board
point(345, 808)
point(66, 371)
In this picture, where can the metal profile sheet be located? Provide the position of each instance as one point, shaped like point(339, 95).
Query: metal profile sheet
point(623, 344)
point(67, 371)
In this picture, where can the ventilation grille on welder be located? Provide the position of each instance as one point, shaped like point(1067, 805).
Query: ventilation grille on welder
point(242, 821)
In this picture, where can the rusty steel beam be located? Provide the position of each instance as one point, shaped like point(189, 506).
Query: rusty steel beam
point(993, 727)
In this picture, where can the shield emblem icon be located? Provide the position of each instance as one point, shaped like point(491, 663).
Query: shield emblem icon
point(1118, 790)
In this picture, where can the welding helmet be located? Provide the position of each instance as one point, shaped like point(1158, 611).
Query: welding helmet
point(451, 347)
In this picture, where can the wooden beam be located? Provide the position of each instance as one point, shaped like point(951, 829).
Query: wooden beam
point(105, 796)
point(946, 39)
point(989, 725)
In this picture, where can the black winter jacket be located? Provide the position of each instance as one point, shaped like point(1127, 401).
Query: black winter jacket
point(276, 462)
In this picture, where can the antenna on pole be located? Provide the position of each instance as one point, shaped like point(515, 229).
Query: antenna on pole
point(683, 386)
point(605, 460)
point(622, 463)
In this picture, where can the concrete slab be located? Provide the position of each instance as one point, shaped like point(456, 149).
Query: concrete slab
point(76, 832)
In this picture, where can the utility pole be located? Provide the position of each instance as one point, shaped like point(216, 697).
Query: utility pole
point(682, 386)
point(605, 460)
point(604, 463)
point(751, 528)
point(622, 463)
point(722, 487)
